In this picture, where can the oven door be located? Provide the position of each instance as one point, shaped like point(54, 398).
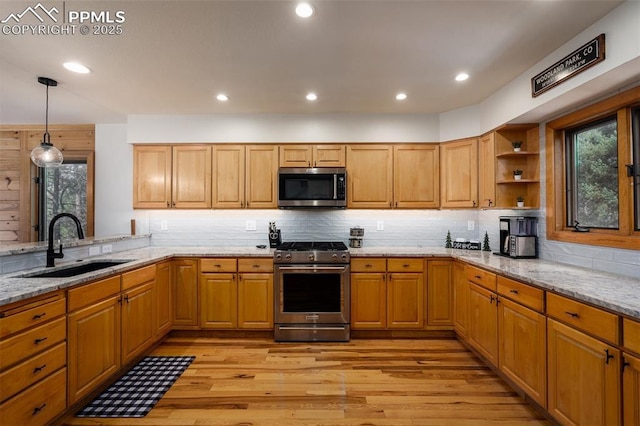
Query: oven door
point(312, 294)
point(312, 303)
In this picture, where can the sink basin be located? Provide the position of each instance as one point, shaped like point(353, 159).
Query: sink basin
point(72, 271)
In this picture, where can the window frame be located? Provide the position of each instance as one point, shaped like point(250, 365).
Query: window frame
point(625, 236)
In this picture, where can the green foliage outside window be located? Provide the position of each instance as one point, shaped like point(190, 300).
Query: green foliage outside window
point(594, 176)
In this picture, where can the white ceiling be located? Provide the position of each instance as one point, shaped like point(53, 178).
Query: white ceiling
point(175, 56)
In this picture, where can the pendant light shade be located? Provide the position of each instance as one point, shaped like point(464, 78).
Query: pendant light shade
point(46, 155)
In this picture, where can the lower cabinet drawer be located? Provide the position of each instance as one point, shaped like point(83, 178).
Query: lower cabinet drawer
point(31, 371)
point(37, 405)
point(29, 343)
point(368, 264)
point(405, 265)
point(255, 265)
point(599, 323)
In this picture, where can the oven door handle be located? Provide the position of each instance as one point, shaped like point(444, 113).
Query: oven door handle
point(285, 327)
point(312, 268)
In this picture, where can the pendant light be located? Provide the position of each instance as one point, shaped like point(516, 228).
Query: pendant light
point(46, 155)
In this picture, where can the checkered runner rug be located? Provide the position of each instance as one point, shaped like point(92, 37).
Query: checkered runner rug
point(138, 391)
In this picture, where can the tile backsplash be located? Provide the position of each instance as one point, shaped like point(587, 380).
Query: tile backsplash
point(415, 228)
point(407, 228)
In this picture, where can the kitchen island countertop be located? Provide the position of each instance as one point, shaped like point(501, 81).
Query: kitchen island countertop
point(618, 293)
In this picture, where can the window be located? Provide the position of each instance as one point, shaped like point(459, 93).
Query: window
point(593, 173)
point(69, 189)
point(634, 169)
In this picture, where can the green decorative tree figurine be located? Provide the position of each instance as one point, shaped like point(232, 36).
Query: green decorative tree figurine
point(448, 240)
point(485, 243)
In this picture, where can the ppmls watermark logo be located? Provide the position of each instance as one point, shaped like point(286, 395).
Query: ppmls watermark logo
point(58, 20)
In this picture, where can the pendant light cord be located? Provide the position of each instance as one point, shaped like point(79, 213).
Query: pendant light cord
point(46, 139)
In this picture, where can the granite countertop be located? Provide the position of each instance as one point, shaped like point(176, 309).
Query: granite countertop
point(618, 293)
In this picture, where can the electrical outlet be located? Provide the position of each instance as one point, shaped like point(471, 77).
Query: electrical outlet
point(94, 251)
point(250, 225)
point(380, 225)
point(106, 248)
point(164, 226)
point(471, 225)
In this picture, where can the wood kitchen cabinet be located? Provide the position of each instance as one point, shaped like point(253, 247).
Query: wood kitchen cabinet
point(228, 176)
point(94, 327)
point(255, 293)
point(185, 294)
point(236, 293)
point(387, 294)
point(497, 160)
point(33, 359)
point(583, 377)
point(138, 313)
point(440, 293)
point(370, 176)
point(416, 176)
point(218, 293)
point(261, 176)
point(171, 176)
point(459, 173)
point(631, 389)
point(163, 299)
point(482, 331)
point(487, 171)
point(405, 293)
point(368, 293)
point(328, 155)
point(460, 299)
point(522, 337)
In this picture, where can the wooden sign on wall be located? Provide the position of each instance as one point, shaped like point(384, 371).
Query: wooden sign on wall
point(574, 63)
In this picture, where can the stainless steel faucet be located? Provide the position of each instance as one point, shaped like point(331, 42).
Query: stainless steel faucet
point(51, 254)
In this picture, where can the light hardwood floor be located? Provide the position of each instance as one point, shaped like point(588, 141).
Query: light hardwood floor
point(363, 382)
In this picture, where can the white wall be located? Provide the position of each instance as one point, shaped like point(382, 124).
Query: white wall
point(282, 128)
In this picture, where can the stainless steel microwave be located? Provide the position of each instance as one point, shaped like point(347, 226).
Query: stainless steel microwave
point(321, 187)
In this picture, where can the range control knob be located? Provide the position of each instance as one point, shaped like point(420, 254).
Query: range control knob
point(344, 256)
point(278, 256)
point(334, 257)
point(311, 256)
point(287, 256)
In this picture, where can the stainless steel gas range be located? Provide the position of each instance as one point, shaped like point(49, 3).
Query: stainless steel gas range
point(312, 294)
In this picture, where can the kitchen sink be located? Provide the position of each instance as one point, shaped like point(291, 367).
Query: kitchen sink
point(72, 271)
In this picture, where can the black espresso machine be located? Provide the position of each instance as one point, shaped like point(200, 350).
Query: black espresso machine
point(518, 236)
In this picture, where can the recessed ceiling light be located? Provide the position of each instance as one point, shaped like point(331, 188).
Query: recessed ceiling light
point(304, 10)
point(401, 96)
point(462, 76)
point(311, 96)
point(76, 67)
point(222, 97)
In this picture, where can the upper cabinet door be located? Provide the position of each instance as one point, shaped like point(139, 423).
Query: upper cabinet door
point(228, 176)
point(262, 175)
point(369, 176)
point(151, 176)
point(487, 171)
point(459, 173)
point(416, 171)
point(296, 156)
point(192, 176)
point(329, 156)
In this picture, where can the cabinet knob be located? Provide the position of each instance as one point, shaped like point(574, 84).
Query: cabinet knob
point(38, 316)
point(572, 314)
point(38, 341)
point(513, 291)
